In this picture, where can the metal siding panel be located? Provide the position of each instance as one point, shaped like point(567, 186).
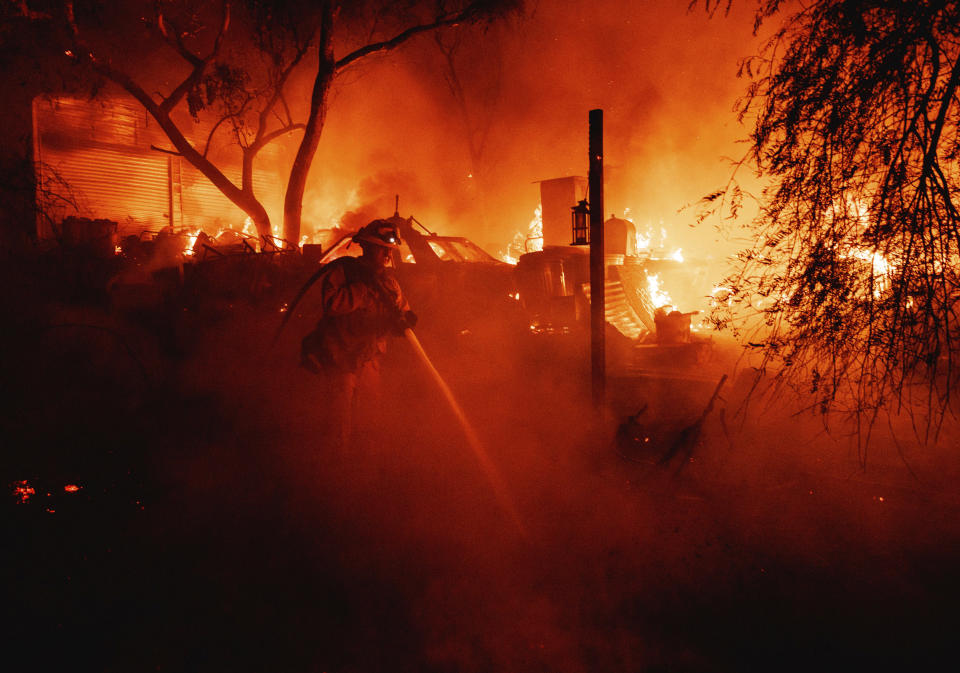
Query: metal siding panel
point(205, 206)
point(130, 189)
point(101, 149)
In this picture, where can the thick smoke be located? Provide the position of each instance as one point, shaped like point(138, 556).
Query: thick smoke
point(665, 78)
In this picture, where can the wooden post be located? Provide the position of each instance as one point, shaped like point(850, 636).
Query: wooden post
point(598, 365)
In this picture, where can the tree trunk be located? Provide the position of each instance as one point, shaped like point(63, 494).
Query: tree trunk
point(242, 198)
point(260, 218)
point(293, 200)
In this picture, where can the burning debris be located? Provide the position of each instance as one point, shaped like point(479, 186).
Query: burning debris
point(643, 438)
point(523, 242)
point(554, 286)
point(23, 491)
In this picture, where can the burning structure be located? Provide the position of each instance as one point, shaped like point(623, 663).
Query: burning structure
point(554, 282)
point(106, 158)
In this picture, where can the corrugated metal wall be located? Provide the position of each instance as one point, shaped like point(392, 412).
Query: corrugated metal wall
point(96, 161)
point(203, 205)
point(131, 189)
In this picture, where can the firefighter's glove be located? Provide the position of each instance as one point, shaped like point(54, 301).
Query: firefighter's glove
point(313, 353)
point(404, 320)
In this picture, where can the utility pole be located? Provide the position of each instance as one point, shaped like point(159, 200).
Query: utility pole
point(598, 364)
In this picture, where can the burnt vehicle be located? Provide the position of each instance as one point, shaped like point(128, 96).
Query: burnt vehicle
point(459, 291)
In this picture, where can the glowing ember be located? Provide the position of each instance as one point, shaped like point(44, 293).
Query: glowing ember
point(22, 490)
point(71, 488)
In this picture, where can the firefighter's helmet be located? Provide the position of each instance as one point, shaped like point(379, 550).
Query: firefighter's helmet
point(379, 232)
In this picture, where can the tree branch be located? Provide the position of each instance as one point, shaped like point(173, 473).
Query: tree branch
point(199, 64)
point(281, 82)
point(466, 14)
point(166, 151)
point(273, 135)
point(206, 145)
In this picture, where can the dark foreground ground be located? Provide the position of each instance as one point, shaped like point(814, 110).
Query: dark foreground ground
point(215, 529)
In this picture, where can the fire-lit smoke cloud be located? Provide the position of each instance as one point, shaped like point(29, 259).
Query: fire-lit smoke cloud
point(664, 76)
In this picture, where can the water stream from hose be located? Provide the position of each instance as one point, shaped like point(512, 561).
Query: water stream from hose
point(483, 457)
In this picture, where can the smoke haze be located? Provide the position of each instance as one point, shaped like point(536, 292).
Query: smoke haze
point(219, 527)
point(665, 78)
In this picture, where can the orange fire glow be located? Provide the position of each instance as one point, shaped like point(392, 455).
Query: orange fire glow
point(191, 241)
point(524, 242)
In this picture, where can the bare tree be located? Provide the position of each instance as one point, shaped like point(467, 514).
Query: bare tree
point(240, 77)
point(855, 112)
point(474, 79)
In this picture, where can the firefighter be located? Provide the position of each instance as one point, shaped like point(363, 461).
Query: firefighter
point(361, 305)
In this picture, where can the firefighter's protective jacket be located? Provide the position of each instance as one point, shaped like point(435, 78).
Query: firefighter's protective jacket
point(360, 307)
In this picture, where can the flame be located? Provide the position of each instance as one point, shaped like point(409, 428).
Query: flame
point(880, 266)
point(532, 240)
point(659, 296)
point(191, 241)
point(535, 228)
point(643, 241)
point(522, 243)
